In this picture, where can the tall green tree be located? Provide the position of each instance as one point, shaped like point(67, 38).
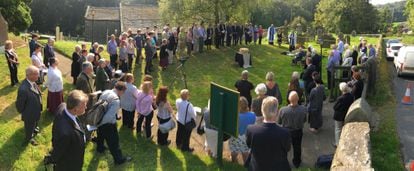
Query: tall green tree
point(212, 11)
point(347, 15)
point(409, 12)
point(17, 14)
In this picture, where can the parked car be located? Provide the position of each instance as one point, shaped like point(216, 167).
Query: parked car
point(392, 41)
point(404, 62)
point(392, 50)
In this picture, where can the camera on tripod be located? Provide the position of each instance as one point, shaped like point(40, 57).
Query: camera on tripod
point(183, 59)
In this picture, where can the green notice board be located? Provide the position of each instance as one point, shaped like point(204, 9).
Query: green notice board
point(224, 108)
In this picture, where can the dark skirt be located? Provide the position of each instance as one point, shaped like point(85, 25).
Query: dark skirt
point(54, 99)
point(315, 119)
point(164, 62)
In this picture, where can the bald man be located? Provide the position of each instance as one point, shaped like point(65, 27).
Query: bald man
point(293, 117)
point(29, 104)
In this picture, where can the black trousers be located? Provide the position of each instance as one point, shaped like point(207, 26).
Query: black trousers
point(228, 40)
point(113, 59)
point(130, 59)
point(13, 75)
point(222, 39)
point(260, 40)
point(235, 39)
point(148, 63)
point(162, 139)
point(148, 120)
point(296, 135)
point(29, 127)
point(217, 41)
point(124, 66)
point(128, 118)
point(109, 133)
point(183, 137)
point(329, 79)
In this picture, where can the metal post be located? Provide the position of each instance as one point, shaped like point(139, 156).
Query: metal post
point(220, 132)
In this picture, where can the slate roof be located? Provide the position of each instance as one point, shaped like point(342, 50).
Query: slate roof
point(102, 13)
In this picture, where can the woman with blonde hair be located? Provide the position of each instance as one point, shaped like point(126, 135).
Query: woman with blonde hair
point(273, 87)
point(12, 61)
point(144, 108)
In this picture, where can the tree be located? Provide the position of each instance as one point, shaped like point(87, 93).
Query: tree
point(409, 12)
point(17, 14)
point(345, 16)
point(189, 11)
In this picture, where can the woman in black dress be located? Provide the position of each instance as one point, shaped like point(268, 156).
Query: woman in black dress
point(12, 62)
point(76, 64)
point(209, 39)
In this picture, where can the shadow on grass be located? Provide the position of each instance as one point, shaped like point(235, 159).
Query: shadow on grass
point(8, 89)
point(12, 149)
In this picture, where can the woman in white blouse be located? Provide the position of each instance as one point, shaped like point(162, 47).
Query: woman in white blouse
point(54, 84)
point(37, 61)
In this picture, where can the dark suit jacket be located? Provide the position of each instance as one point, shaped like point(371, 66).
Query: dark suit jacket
point(68, 142)
point(357, 89)
point(48, 53)
point(29, 102)
point(307, 75)
point(342, 105)
point(269, 145)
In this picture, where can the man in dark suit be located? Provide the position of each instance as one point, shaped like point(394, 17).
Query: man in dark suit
point(33, 43)
point(268, 143)
point(29, 104)
point(48, 52)
point(229, 34)
point(307, 75)
point(68, 138)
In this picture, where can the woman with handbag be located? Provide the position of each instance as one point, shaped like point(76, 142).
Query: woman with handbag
point(165, 122)
point(144, 108)
point(185, 120)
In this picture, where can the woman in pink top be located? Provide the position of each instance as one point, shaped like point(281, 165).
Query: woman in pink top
point(144, 108)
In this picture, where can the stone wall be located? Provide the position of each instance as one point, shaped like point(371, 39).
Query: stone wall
point(100, 29)
point(353, 151)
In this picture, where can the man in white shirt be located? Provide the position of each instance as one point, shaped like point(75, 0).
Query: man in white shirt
point(185, 115)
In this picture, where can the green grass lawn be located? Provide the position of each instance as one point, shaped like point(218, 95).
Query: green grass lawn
point(66, 48)
point(215, 66)
point(408, 39)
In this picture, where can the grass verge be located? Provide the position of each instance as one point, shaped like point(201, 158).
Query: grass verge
point(384, 142)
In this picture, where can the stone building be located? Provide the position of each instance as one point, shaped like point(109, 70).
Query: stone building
point(3, 30)
point(104, 21)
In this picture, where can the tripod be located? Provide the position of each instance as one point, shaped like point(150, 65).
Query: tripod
point(181, 71)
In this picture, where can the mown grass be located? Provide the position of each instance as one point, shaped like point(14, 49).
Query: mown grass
point(385, 149)
point(66, 48)
point(408, 39)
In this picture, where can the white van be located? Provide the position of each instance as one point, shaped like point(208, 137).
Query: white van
point(404, 62)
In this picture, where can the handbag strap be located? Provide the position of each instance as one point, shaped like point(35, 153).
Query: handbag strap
point(201, 120)
point(186, 111)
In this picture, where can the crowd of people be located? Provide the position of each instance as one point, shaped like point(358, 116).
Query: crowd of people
point(266, 133)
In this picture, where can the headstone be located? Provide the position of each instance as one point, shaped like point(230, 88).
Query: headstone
point(3, 30)
point(57, 33)
point(352, 152)
point(61, 36)
point(353, 33)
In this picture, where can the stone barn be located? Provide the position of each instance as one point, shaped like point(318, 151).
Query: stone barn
point(3, 30)
point(101, 22)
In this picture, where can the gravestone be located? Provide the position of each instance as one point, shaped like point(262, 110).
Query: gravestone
point(3, 30)
point(57, 33)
